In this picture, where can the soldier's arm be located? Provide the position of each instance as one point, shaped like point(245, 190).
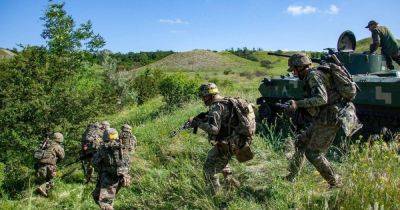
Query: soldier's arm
point(213, 125)
point(60, 152)
point(319, 95)
point(375, 41)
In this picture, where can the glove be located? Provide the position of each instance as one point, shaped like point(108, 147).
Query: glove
point(292, 105)
point(194, 122)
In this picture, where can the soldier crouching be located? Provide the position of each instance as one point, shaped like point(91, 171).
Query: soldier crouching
point(112, 168)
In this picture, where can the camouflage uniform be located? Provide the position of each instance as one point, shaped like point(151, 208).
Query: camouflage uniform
point(323, 103)
point(128, 141)
point(113, 172)
point(46, 166)
point(221, 138)
point(382, 37)
point(91, 141)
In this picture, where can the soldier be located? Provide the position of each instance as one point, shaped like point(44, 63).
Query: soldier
point(112, 169)
point(382, 37)
point(323, 103)
point(91, 141)
point(128, 141)
point(221, 135)
point(48, 154)
point(105, 125)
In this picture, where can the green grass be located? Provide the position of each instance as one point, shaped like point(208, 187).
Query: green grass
point(167, 172)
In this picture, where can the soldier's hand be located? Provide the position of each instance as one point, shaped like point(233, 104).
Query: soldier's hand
point(194, 122)
point(292, 105)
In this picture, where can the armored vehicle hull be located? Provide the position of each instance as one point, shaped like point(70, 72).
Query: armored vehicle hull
point(378, 98)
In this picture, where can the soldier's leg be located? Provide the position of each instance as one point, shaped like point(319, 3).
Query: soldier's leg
point(42, 179)
point(295, 164)
point(321, 139)
point(214, 164)
point(396, 58)
point(89, 170)
point(389, 62)
point(96, 191)
point(108, 191)
point(230, 181)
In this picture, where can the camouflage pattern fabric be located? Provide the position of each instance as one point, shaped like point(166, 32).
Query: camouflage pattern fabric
point(111, 167)
point(219, 135)
point(324, 105)
point(91, 141)
point(46, 169)
point(128, 141)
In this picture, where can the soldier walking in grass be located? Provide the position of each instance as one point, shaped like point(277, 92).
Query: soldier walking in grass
point(382, 37)
point(330, 109)
point(128, 141)
point(223, 123)
point(112, 168)
point(91, 140)
point(48, 154)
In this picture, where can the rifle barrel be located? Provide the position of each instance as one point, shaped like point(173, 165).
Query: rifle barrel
point(314, 60)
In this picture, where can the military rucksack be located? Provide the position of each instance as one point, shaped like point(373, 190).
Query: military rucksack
point(342, 82)
point(41, 150)
point(244, 113)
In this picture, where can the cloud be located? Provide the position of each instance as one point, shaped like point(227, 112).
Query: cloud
point(296, 10)
point(173, 21)
point(301, 10)
point(333, 10)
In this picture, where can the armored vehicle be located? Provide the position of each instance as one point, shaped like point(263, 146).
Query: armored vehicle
point(378, 98)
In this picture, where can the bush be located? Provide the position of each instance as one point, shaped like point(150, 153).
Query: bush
point(147, 84)
point(266, 63)
point(227, 71)
point(178, 88)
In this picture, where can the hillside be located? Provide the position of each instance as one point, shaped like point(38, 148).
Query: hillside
point(6, 53)
point(203, 60)
point(363, 44)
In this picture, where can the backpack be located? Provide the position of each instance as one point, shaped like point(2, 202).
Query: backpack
point(343, 83)
point(246, 119)
point(40, 151)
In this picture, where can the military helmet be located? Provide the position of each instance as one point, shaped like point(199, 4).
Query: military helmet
point(105, 124)
point(298, 60)
point(58, 137)
point(371, 23)
point(111, 135)
point(208, 89)
point(126, 127)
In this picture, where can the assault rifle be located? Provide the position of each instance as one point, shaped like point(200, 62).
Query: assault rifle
point(189, 124)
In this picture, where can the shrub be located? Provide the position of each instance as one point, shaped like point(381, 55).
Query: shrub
point(266, 63)
point(147, 84)
point(227, 71)
point(178, 88)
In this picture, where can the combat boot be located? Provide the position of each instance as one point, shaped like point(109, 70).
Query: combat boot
point(41, 191)
point(335, 183)
point(230, 181)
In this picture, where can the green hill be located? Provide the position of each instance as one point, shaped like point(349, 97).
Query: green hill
point(363, 44)
point(6, 53)
point(203, 60)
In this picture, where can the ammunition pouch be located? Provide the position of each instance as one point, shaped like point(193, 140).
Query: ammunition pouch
point(244, 153)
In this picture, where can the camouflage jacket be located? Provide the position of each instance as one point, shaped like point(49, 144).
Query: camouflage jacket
point(91, 140)
point(219, 116)
point(109, 159)
point(382, 37)
point(52, 154)
point(324, 104)
point(321, 97)
point(128, 140)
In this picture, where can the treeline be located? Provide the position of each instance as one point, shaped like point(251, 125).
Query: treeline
point(131, 60)
point(245, 53)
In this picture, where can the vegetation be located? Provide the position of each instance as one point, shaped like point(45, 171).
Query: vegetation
point(40, 90)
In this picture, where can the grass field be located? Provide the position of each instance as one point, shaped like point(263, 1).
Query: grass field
point(167, 172)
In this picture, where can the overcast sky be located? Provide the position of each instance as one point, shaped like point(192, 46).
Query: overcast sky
point(181, 25)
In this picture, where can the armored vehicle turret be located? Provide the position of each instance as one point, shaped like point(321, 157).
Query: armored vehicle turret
point(378, 98)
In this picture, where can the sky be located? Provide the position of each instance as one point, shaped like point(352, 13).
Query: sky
point(182, 25)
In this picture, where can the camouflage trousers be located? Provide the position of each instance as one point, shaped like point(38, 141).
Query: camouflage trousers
point(216, 162)
point(314, 143)
point(45, 174)
point(88, 169)
point(106, 189)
